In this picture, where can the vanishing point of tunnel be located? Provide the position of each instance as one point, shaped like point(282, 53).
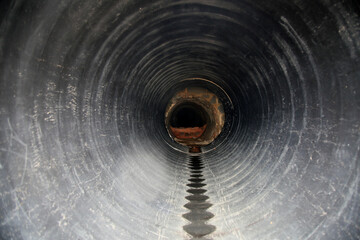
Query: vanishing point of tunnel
point(179, 119)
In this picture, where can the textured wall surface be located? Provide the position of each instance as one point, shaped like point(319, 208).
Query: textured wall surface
point(84, 152)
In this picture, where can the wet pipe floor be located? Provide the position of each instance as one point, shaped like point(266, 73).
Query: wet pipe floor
point(198, 202)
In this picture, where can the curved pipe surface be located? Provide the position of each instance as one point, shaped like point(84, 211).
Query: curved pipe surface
point(84, 86)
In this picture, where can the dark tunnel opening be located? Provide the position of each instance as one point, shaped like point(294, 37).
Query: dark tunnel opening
point(86, 87)
point(188, 115)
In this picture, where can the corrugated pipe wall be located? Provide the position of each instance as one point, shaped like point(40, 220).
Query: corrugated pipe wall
point(84, 150)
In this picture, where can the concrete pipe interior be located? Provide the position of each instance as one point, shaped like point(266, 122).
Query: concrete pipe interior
point(85, 153)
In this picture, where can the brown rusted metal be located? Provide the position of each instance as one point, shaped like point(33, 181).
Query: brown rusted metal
point(188, 133)
point(210, 103)
point(194, 149)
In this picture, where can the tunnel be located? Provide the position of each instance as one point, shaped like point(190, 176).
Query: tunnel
point(85, 151)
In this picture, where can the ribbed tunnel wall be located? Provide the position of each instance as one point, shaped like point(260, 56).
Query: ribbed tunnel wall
point(84, 149)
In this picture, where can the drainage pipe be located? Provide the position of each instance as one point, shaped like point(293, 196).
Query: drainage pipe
point(84, 86)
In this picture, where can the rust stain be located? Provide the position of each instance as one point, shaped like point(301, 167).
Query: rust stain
point(194, 136)
point(194, 149)
point(188, 133)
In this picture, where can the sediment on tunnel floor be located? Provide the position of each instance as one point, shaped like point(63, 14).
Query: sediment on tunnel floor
point(84, 86)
